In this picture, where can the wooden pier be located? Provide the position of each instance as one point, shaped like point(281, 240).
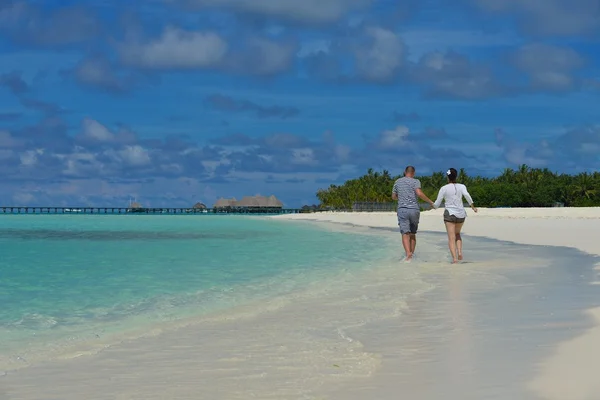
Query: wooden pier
point(150, 211)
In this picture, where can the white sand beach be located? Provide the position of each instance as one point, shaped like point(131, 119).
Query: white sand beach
point(571, 227)
point(570, 372)
point(479, 334)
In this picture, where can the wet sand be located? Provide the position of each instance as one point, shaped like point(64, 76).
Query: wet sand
point(508, 323)
point(543, 321)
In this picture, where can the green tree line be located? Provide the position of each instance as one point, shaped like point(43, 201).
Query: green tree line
point(523, 187)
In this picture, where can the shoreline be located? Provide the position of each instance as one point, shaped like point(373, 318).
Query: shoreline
point(566, 372)
point(335, 344)
point(283, 347)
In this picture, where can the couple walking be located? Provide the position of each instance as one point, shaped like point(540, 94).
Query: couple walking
point(407, 189)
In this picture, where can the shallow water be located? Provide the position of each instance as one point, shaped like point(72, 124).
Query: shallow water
point(482, 331)
point(73, 279)
point(371, 329)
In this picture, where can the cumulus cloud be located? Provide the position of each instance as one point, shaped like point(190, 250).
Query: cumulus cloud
point(426, 150)
point(549, 67)
point(393, 138)
point(175, 48)
point(284, 153)
point(377, 55)
point(116, 158)
point(94, 133)
point(98, 72)
point(380, 58)
point(179, 49)
point(452, 75)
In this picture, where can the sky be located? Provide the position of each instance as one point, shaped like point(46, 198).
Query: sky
point(171, 102)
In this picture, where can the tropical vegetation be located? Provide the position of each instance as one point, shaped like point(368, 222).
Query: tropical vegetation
point(523, 187)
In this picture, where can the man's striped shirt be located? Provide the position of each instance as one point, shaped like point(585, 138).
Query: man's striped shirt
point(406, 189)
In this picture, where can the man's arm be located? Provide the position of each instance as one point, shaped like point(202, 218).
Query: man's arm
point(395, 192)
point(424, 197)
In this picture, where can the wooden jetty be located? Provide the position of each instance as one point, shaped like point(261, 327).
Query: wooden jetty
point(143, 210)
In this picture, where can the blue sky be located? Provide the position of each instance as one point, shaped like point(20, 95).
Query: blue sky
point(178, 101)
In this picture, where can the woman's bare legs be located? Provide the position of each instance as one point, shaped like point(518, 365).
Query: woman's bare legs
point(451, 230)
point(457, 228)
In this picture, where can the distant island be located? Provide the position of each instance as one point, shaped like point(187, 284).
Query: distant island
point(523, 187)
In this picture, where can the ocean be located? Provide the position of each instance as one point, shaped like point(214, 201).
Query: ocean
point(236, 307)
point(75, 284)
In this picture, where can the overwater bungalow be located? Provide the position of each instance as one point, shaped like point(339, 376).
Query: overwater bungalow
point(199, 207)
point(253, 204)
point(135, 207)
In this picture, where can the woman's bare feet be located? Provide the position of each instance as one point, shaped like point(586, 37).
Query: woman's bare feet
point(454, 261)
point(460, 257)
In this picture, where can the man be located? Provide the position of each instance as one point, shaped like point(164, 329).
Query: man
point(406, 190)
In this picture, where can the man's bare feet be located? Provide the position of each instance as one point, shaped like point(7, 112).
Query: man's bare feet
point(408, 258)
point(454, 261)
point(460, 257)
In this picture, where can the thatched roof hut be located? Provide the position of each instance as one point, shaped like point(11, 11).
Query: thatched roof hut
point(259, 202)
point(200, 206)
point(248, 201)
point(223, 203)
point(274, 202)
point(135, 205)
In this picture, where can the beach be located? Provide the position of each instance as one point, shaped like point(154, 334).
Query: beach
point(568, 370)
point(518, 319)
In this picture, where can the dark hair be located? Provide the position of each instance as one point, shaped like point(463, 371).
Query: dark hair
point(452, 174)
point(409, 169)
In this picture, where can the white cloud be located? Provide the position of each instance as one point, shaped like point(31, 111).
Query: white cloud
point(92, 129)
point(381, 57)
point(176, 49)
point(394, 137)
point(304, 156)
point(549, 67)
point(134, 155)
point(29, 158)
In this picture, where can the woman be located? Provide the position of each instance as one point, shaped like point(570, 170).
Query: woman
point(455, 214)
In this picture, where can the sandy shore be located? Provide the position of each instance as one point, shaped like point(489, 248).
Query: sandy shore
point(512, 322)
point(570, 373)
point(570, 227)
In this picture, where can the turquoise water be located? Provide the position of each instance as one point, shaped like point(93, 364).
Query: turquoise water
point(74, 278)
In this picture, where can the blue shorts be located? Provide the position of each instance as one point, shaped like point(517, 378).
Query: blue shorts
point(408, 220)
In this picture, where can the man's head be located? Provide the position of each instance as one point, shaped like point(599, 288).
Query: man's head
point(409, 171)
